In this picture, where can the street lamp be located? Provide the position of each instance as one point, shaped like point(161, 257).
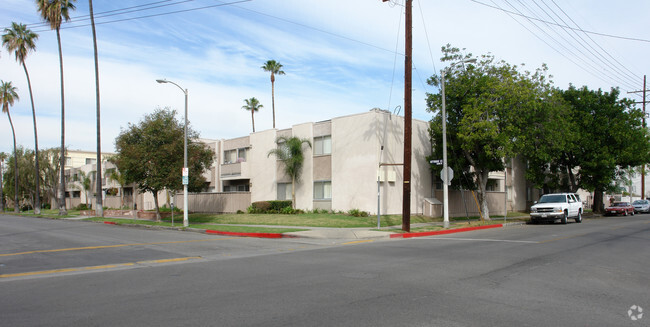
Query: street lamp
point(445, 177)
point(185, 170)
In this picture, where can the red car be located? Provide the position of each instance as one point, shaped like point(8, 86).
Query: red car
point(620, 208)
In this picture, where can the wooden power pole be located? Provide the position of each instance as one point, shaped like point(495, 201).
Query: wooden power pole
point(406, 203)
point(643, 102)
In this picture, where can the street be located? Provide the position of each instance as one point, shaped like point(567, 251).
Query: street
point(69, 273)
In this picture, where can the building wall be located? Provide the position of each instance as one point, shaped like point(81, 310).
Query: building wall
point(263, 173)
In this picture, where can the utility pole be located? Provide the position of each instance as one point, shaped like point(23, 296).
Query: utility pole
point(406, 203)
point(644, 113)
point(408, 66)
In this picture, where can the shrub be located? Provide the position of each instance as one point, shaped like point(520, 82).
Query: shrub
point(270, 206)
point(82, 206)
point(262, 206)
point(239, 212)
point(287, 211)
point(357, 213)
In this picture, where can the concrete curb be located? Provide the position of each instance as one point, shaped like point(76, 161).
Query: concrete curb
point(446, 231)
point(258, 235)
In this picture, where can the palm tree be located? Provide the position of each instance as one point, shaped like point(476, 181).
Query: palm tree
point(3, 157)
point(275, 68)
point(20, 40)
point(85, 182)
point(253, 105)
point(54, 12)
point(100, 206)
point(289, 151)
point(8, 96)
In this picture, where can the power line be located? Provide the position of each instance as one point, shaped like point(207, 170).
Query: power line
point(588, 32)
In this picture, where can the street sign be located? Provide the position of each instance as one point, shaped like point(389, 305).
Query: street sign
point(186, 171)
point(186, 180)
point(436, 162)
point(450, 175)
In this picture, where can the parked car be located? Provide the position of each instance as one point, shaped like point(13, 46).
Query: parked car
point(620, 208)
point(641, 206)
point(552, 207)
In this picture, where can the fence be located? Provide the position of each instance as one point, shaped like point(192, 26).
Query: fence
point(215, 202)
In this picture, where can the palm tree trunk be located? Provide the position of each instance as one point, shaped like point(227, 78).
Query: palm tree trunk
point(62, 209)
point(253, 118)
point(15, 165)
point(100, 206)
point(293, 191)
point(37, 198)
point(2, 197)
point(273, 101)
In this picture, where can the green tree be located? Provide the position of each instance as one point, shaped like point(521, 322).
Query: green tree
point(55, 12)
point(50, 164)
point(150, 154)
point(20, 40)
point(252, 105)
point(275, 68)
point(610, 138)
point(84, 181)
point(23, 162)
point(8, 96)
point(481, 99)
point(290, 152)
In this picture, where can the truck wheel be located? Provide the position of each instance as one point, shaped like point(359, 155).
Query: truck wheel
point(564, 218)
point(579, 218)
point(632, 212)
point(624, 212)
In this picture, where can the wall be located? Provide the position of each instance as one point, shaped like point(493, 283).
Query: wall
point(215, 202)
point(262, 167)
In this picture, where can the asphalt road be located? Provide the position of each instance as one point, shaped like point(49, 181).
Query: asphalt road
point(61, 273)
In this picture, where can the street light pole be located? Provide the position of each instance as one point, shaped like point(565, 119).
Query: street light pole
point(445, 170)
point(185, 170)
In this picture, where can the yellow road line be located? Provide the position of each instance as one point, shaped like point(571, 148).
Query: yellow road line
point(117, 265)
point(357, 242)
point(110, 246)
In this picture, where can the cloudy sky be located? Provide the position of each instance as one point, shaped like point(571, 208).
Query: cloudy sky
point(340, 57)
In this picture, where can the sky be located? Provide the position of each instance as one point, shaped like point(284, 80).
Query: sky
point(340, 57)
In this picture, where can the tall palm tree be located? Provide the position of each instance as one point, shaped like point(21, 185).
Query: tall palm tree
point(253, 105)
point(54, 12)
point(8, 96)
point(100, 206)
point(276, 69)
point(289, 151)
point(20, 40)
point(3, 157)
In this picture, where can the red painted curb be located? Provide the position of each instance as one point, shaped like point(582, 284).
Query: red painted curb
point(442, 232)
point(259, 235)
point(110, 223)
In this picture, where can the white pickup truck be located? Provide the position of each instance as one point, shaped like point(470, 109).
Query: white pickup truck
point(552, 207)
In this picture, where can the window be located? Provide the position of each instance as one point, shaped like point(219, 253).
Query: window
point(90, 161)
point(284, 191)
point(234, 156)
point(323, 145)
point(492, 185)
point(236, 188)
point(323, 190)
point(68, 161)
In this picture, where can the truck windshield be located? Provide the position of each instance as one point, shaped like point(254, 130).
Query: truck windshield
point(558, 198)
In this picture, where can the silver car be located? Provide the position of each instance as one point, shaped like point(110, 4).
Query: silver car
point(641, 206)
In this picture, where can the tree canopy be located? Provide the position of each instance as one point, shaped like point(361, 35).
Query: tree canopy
point(150, 154)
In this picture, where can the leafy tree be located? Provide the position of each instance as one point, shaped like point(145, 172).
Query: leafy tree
point(610, 138)
point(275, 68)
point(55, 12)
point(26, 176)
point(150, 154)
point(481, 100)
point(20, 40)
point(289, 151)
point(50, 168)
point(252, 105)
point(8, 96)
